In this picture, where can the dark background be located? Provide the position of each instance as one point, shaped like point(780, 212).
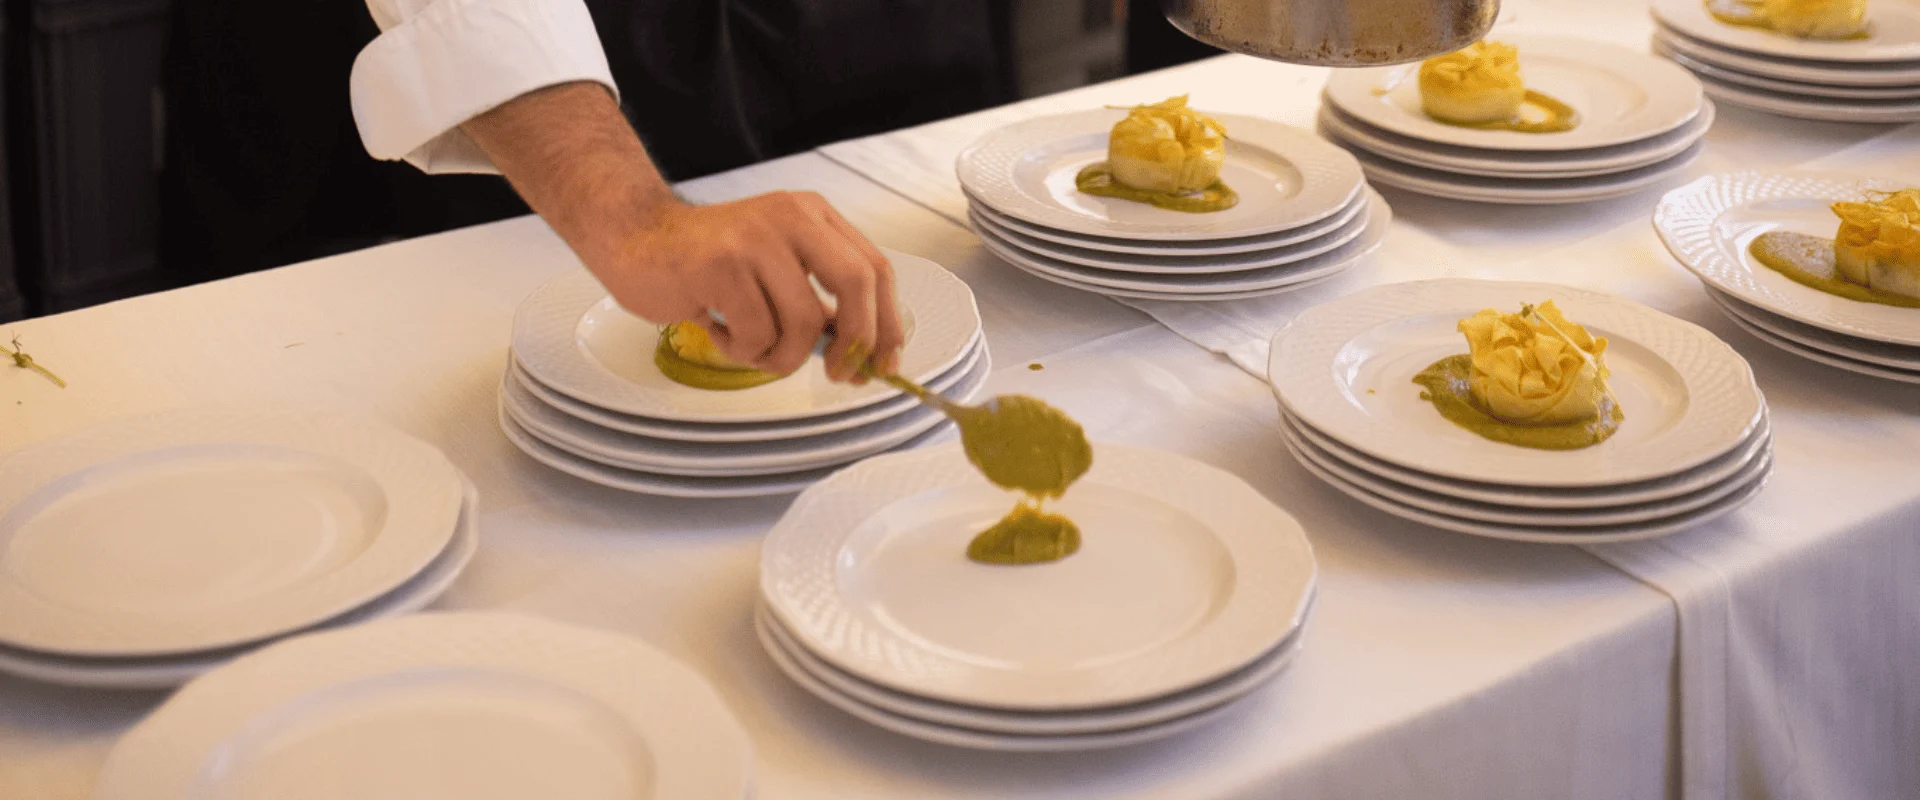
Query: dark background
point(155, 143)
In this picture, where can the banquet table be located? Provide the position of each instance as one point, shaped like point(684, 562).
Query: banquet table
point(1764, 655)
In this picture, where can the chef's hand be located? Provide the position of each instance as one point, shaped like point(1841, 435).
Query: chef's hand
point(576, 161)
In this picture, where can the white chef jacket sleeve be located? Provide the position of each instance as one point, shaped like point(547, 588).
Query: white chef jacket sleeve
point(439, 63)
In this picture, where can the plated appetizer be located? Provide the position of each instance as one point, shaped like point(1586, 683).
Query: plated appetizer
point(688, 356)
point(1532, 379)
point(1874, 257)
point(1481, 87)
point(1802, 19)
point(1166, 155)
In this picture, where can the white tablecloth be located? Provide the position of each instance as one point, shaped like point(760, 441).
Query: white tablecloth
point(1438, 666)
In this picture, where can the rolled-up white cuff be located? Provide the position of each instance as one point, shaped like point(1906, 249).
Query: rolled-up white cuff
point(414, 85)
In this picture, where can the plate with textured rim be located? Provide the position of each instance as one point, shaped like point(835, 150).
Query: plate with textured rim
point(187, 531)
point(1346, 368)
point(1598, 534)
point(1693, 480)
point(1622, 95)
point(1763, 333)
point(476, 705)
point(1523, 191)
point(1209, 247)
point(1286, 178)
point(1708, 225)
point(1031, 723)
point(720, 459)
point(1209, 283)
point(1883, 112)
point(1170, 265)
point(1898, 357)
point(168, 671)
point(954, 736)
point(1173, 297)
point(1186, 575)
point(1707, 69)
point(1893, 33)
point(571, 337)
point(741, 431)
point(1889, 75)
point(1501, 514)
point(1550, 164)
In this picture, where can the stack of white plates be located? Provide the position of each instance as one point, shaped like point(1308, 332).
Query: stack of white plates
point(1695, 444)
point(142, 552)
point(1871, 79)
point(1641, 121)
point(1304, 213)
point(1189, 591)
point(582, 395)
point(471, 706)
point(1708, 225)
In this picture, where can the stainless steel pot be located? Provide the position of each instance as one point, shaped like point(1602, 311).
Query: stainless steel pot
point(1335, 33)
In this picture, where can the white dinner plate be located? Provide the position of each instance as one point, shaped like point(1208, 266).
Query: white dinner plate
point(1526, 164)
point(1186, 574)
point(1596, 534)
point(1884, 112)
point(1520, 515)
point(1286, 178)
point(1898, 357)
point(1206, 247)
point(1893, 28)
point(474, 706)
point(1346, 369)
point(1522, 191)
point(1622, 96)
point(1708, 69)
point(1030, 723)
point(1708, 225)
point(1206, 283)
point(169, 671)
point(1706, 475)
point(1889, 75)
point(955, 736)
point(1177, 297)
point(573, 338)
point(743, 431)
point(1172, 265)
point(189, 531)
point(1741, 317)
point(709, 459)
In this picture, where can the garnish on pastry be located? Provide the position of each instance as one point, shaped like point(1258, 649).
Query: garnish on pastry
point(1481, 87)
point(1532, 379)
point(1166, 155)
point(688, 356)
point(1874, 257)
point(1802, 19)
point(1023, 444)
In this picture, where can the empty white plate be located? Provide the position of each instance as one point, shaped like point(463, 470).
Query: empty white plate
point(1893, 28)
point(1708, 225)
point(571, 337)
point(1707, 69)
point(1206, 283)
point(1748, 318)
point(1509, 164)
point(475, 706)
point(1806, 107)
point(1185, 575)
point(1286, 178)
point(1346, 368)
point(1522, 191)
point(191, 531)
point(1622, 95)
point(166, 671)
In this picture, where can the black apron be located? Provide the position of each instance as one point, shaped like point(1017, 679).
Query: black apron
point(264, 167)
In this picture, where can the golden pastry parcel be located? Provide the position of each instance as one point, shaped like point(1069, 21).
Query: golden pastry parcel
point(1874, 257)
point(1480, 87)
point(688, 356)
point(1801, 19)
point(1166, 155)
point(1532, 379)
